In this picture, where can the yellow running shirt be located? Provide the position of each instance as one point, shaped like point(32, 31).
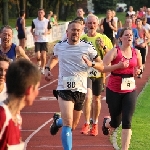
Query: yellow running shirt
point(99, 49)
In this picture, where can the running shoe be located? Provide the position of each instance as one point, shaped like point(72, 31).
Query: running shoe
point(139, 76)
point(54, 128)
point(94, 130)
point(105, 130)
point(85, 129)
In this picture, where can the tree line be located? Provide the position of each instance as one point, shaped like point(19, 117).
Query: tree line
point(64, 9)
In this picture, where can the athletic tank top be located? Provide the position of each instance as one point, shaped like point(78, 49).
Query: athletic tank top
point(107, 30)
point(11, 54)
point(19, 25)
point(115, 79)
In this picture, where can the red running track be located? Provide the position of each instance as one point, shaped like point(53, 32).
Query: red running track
point(38, 118)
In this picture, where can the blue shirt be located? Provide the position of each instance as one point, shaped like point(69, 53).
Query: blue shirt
point(11, 54)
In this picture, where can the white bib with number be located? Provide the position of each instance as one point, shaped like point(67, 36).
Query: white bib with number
point(39, 32)
point(140, 41)
point(128, 83)
point(72, 82)
point(17, 147)
point(92, 72)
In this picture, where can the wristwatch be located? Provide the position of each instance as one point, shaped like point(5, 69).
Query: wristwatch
point(105, 47)
point(93, 63)
point(48, 68)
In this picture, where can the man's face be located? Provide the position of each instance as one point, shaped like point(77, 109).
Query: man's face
point(3, 69)
point(74, 32)
point(80, 13)
point(6, 37)
point(129, 23)
point(32, 94)
point(41, 13)
point(92, 24)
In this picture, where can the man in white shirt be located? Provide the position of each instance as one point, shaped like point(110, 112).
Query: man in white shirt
point(131, 12)
point(72, 80)
point(40, 30)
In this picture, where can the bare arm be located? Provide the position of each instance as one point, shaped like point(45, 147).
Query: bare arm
point(20, 52)
point(52, 62)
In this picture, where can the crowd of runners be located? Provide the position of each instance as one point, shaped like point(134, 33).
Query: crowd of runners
point(89, 49)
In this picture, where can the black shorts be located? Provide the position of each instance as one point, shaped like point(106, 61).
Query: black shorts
point(96, 85)
point(76, 97)
point(21, 36)
point(41, 46)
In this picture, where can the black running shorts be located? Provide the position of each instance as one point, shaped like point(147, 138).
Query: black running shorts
point(41, 46)
point(77, 98)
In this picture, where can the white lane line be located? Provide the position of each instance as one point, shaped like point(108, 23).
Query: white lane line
point(37, 130)
point(38, 112)
point(47, 84)
point(49, 146)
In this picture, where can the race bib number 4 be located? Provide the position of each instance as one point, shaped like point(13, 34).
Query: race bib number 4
point(72, 82)
point(93, 72)
point(128, 83)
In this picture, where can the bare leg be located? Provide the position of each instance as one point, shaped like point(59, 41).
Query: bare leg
point(125, 138)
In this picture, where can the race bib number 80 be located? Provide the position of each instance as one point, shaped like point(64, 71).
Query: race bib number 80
point(72, 82)
point(128, 83)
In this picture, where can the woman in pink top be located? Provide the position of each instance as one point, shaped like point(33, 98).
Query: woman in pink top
point(120, 92)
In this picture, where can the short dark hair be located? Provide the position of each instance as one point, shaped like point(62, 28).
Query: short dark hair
point(20, 75)
point(80, 19)
point(41, 9)
point(4, 58)
point(22, 13)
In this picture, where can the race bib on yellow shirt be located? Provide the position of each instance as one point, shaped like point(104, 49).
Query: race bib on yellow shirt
point(92, 72)
point(128, 83)
point(16, 147)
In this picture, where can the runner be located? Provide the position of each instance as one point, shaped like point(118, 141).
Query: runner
point(121, 90)
point(108, 26)
point(22, 82)
point(40, 30)
point(8, 48)
point(96, 80)
point(20, 27)
point(72, 82)
point(4, 63)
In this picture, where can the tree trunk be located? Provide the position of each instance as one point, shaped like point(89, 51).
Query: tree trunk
point(41, 3)
point(57, 9)
point(23, 5)
point(5, 12)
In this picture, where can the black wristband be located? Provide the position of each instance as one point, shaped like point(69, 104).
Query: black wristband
point(48, 68)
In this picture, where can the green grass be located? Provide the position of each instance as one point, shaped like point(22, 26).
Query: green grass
point(140, 123)
point(12, 22)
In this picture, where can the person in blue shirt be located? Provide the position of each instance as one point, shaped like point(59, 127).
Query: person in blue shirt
point(128, 23)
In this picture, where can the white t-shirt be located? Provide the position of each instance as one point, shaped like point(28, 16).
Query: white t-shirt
point(3, 94)
point(71, 64)
point(147, 26)
point(41, 26)
point(131, 13)
point(116, 22)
